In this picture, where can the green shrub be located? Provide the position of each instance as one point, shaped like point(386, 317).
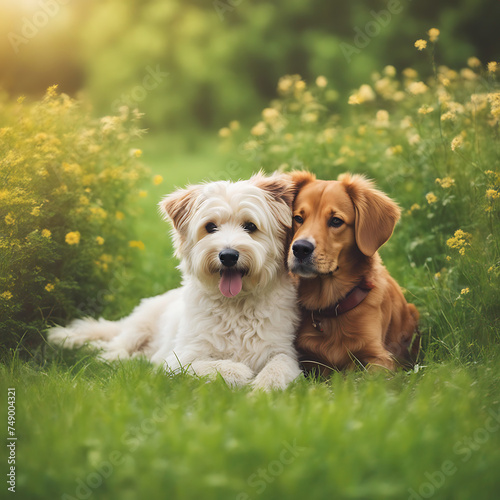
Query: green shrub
point(432, 144)
point(67, 183)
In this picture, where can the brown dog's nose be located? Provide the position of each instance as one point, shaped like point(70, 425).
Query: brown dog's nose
point(302, 249)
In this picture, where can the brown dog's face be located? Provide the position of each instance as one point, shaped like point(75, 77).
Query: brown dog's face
point(337, 221)
point(323, 227)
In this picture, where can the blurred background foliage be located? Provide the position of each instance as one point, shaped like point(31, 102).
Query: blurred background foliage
point(215, 60)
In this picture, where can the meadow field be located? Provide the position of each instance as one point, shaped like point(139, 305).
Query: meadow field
point(80, 234)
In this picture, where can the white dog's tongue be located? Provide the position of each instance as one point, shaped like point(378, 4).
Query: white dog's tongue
point(230, 283)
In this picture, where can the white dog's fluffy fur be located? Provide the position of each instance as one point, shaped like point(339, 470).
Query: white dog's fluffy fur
point(238, 321)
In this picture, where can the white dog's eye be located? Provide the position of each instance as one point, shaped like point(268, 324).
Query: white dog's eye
point(211, 227)
point(250, 227)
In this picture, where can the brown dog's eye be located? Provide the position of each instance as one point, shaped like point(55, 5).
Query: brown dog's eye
point(211, 227)
point(298, 219)
point(335, 222)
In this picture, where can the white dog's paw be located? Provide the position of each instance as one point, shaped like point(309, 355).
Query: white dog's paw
point(114, 354)
point(277, 374)
point(235, 374)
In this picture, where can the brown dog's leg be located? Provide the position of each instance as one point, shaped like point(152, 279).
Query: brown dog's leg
point(376, 356)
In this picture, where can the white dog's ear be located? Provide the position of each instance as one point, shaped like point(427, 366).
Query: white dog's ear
point(376, 213)
point(279, 186)
point(178, 207)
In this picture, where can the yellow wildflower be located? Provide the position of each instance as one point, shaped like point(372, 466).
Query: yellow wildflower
point(437, 276)
point(473, 62)
point(285, 84)
point(420, 44)
point(394, 150)
point(468, 74)
point(389, 70)
point(494, 99)
point(431, 198)
point(321, 81)
point(6, 295)
point(51, 91)
point(364, 94)
point(417, 88)
point(457, 142)
point(136, 244)
point(459, 241)
point(448, 258)
point(98, 212)
point(492, 194)
point(270, 115)
point(433, 34)
point(464, 291)
point(157, 180)
point(410, 73)
point(99, 240)
point(143, 194)
point(354, 99)
point(234, 125)
point(49, 287)
point(9, 219)
point(446, 182)
point(35, 212)
point(224, 132)
point(136, 152)
point(449, 115)
point(425, 109)
point(119, 215)
point(259, 129)
point(300, 85)
point(46, 233)
point(382, 118)
point(492, 66)
point(73, 238)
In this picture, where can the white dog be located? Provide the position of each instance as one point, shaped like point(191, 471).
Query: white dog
point(235, 313)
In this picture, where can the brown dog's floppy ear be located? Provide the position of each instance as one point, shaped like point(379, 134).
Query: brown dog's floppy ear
point(376, 213)
point(178, 206)
point(299, 179)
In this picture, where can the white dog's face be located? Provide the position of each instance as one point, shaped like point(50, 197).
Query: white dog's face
point(232, 236)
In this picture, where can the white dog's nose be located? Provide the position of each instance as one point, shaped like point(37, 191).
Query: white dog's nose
point(229, 257)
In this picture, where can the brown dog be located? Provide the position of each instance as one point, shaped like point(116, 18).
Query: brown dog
point(352, 309)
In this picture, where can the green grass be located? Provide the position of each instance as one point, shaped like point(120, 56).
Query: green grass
point(128, 432)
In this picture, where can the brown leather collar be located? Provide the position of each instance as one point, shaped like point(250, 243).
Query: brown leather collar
point(350, 301)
